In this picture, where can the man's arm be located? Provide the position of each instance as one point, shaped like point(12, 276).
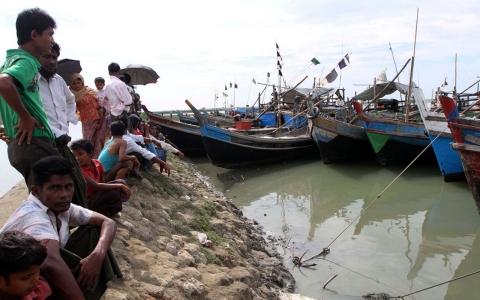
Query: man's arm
point(91, 265)
point(58, 273)
point(71, 107)
point(26, 123)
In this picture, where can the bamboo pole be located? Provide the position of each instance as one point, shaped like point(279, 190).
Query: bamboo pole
point(409, 95)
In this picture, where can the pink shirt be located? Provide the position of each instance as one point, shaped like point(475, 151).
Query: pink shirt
point(41, 291)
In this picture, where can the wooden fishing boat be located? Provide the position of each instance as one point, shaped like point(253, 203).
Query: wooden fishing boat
point(393, 139)
point(240, 148)
point(439, 133)
point(339, 134)
point(466, 137)
point(186, 136)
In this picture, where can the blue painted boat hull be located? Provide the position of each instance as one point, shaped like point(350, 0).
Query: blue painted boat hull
point(448, 159)
point(339, 141)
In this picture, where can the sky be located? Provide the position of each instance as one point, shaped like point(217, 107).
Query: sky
point(199, 47)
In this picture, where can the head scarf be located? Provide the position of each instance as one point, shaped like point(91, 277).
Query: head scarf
point(83, 92)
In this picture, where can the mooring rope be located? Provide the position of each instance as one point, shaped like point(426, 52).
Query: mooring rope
point(326, 249)
point(466, 275)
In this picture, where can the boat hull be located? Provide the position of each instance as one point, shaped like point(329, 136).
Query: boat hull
point(470, 157)
point(186, 137)
point(448, 159)
point(230, 150)
point(338, 141)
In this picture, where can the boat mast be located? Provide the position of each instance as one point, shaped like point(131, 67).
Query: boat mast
point(455, 83)
point(409, 95)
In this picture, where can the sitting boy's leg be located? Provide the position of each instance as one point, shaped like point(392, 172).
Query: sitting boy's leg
point(118, 171)
point(109, 202)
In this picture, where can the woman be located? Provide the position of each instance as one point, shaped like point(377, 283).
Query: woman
point(90, 112)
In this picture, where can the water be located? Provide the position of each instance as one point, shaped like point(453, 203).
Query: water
point(419, 233)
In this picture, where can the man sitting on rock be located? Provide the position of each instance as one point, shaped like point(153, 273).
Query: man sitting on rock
point(75, 263)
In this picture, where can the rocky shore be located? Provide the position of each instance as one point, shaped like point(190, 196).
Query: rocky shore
point(159, 252)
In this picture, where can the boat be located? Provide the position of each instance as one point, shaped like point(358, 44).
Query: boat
point(233, 148)
point(439, 134)
point(339, 134)
point(393, 139)
point(185, 136)
point(466, 137)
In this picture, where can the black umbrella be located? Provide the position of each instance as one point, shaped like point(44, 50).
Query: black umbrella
point(140, 74)
point(66, 67)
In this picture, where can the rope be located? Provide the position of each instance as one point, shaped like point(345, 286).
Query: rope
point(470, 274)
point(379, 195)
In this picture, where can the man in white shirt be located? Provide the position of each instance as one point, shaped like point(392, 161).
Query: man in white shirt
point(117, 93)
point(47, 216)
point(144, 156)
point(59, 105)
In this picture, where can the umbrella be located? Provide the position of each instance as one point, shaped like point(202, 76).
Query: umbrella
point(66, 67)
point(140, 74)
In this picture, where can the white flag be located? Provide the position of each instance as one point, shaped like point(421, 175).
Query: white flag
point(383, 75)
point(224, 95)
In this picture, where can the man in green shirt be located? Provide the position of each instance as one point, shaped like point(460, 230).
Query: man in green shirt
point(26, 123)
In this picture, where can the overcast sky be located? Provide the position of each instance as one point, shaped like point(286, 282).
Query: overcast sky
point(199, 46)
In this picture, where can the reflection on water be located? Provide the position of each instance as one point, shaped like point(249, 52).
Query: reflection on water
point(419, 233)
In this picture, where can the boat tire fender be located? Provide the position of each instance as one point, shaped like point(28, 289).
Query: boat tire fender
point(316, 112)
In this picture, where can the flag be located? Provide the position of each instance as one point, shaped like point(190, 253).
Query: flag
point(315, 61)
point(236, 86)
point(268, 74)
point(224, 95)
point(382, 76)
point(324, 81)
point(225, 87)
point(332, 76)
point(342, 64)
point(444, 83)
point(230, 85)
point(347, 58)
point(279, 61)
point(253, 80)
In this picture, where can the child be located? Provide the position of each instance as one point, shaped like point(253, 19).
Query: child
point(105, 194)
point(21, 257)
point(103, 100)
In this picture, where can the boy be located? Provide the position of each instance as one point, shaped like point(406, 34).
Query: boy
point(103, 100)
point(21, 257)
point(114, 154)
point(20, 103)
point(104, 196)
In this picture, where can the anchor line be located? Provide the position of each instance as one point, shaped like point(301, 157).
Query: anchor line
point(326, 249)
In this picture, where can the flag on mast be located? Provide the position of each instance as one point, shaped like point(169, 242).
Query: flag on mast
point(315, 61)
point(444, 83)
point(236, 86)
point(253, 80)
point(279, 61)
point(382, 76)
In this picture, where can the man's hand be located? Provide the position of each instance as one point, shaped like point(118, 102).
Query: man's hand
point(89, 269)
point(25, 129)
point(181, 155)
point(3, 135)
point(166, 168)
point(125, 190)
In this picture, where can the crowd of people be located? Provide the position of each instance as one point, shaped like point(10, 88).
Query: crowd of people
point(73, 184)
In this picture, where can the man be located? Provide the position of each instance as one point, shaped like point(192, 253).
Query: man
point(117, 93)
point(144, 156)
point(48, 215)
point(59, 105)
point(25, 121)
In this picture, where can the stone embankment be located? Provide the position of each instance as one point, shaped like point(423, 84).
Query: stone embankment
point(161, 257)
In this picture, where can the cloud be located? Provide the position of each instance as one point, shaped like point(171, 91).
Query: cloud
point(198, 46)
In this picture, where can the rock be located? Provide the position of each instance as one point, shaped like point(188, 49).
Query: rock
point(193, 287)
point(171, 248)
